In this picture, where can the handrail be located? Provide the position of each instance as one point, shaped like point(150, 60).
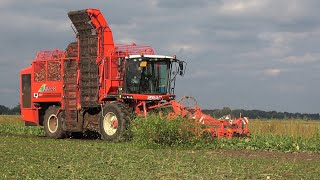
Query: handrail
point(50, 55)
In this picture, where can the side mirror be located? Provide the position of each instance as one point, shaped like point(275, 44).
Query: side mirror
point(181, 68)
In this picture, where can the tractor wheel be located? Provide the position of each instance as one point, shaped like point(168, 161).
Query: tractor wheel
point(114, 122)
point(52, 124)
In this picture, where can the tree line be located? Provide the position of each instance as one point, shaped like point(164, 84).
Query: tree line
point(216, 113)
point(258, 114)
point(4, 110)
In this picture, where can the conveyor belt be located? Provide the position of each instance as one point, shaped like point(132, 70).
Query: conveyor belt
point(89, 80)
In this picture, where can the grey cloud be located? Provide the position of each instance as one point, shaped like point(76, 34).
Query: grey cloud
point(181, 4)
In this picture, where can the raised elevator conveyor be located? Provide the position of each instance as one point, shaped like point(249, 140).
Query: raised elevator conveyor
point(70, 95)
point(89, 80)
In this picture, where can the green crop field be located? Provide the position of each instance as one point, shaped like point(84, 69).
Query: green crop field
point(277, 150)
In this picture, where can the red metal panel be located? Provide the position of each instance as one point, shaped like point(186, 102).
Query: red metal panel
point(30, 115)
point(45, 87)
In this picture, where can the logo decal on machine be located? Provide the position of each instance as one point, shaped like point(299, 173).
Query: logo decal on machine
point(46, 95)
point(35, 95)
point(155, 98)
point(45, 88)
point(43, 92)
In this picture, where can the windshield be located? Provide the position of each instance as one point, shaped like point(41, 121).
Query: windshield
point(147, 76)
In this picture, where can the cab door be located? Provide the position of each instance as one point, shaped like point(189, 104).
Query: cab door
point(26, 90)
point(28, 113)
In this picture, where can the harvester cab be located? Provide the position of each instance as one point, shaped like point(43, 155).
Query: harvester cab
point(151, 75)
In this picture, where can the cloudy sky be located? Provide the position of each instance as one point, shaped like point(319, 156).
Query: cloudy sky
point(250, 54)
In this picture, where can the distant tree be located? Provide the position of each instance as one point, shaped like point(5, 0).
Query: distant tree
point(4, 110)
point(297, 115)
point(217, 113)
point(225, 111)
point(16, 110)
point(258, 114)
point(237, 113)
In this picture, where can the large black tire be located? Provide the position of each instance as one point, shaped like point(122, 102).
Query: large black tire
point(52, 124)
point(114, 122)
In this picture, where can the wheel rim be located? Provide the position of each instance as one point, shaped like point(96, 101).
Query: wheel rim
point(53, 123)
point(110, 123)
